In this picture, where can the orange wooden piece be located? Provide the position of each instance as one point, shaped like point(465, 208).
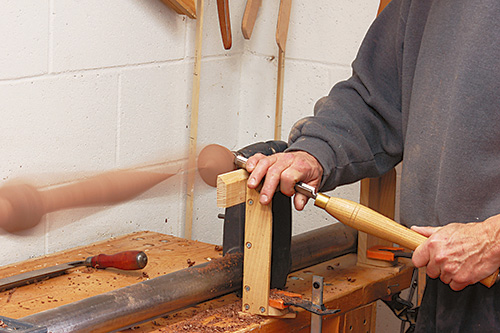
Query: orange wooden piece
point(278, 303)
point(382, 252)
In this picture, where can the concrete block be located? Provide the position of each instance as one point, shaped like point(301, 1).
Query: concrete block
point(219, 101)
point(207, 227)
point(24, 32)
point(320, 31)
point(327, 31)
point(64, 123)
point(154, 113)
point(257, 98)
point(305, 83)
point(17, 247)
point(93, 34)
point(339, 73)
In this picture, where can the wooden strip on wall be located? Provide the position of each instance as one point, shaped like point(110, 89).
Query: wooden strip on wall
point(193, 133)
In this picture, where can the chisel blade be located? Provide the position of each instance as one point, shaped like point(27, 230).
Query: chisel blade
point(37, 275)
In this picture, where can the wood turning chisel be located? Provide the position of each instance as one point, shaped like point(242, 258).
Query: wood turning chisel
point(127, 260)
point(349, 212)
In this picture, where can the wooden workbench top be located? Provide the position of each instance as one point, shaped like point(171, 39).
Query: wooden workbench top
point(347, 286)
point(165, 253)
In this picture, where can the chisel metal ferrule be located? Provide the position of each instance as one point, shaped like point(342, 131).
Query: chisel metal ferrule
point(321, 200)
point(240, 161)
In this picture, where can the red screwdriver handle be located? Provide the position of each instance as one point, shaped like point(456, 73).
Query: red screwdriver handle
point(127, 260)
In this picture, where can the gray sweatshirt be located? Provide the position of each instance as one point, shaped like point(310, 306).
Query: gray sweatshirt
point(425, 89)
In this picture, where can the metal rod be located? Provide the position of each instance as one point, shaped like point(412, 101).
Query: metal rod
point(149, 299)
point(145, 300)
point(322, 244)
point(317, 300)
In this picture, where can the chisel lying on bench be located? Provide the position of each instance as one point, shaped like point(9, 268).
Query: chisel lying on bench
point(127, 260)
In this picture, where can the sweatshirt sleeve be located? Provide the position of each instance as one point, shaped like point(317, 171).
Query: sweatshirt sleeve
point(356, 131)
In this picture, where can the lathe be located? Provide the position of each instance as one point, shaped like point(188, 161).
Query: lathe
point(318, 270)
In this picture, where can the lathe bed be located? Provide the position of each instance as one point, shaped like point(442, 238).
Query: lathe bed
point(350, 288)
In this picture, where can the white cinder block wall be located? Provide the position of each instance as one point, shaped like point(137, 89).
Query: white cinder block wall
point(90, 86)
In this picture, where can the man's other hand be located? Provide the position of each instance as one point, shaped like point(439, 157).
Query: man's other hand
point(460, 253)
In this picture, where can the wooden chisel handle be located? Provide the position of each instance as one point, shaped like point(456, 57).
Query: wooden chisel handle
point(367, 220)
point(127, 260)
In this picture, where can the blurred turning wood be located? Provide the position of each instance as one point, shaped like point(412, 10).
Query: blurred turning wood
point(22, 206)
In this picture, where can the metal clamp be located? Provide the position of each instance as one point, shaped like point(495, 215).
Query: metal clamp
point(403, 309)
point(316, 306)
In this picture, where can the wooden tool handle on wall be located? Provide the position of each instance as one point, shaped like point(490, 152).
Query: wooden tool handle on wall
point(249, 17)
point(367, 220)
point(281, 38)
point(225, 23)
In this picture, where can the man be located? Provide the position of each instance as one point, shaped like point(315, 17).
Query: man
point(426, 86)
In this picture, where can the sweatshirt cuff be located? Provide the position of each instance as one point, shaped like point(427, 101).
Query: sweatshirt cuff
point(323, 153)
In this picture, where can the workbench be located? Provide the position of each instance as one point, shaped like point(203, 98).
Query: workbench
point(350, 288)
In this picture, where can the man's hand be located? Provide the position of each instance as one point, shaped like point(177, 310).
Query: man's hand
point(285, 170)
point(460, 254)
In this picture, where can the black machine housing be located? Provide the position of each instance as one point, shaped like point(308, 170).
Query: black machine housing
point(234, 221)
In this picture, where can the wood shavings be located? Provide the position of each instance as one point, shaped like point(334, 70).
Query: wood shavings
point(10, 294)
point(223, 319)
